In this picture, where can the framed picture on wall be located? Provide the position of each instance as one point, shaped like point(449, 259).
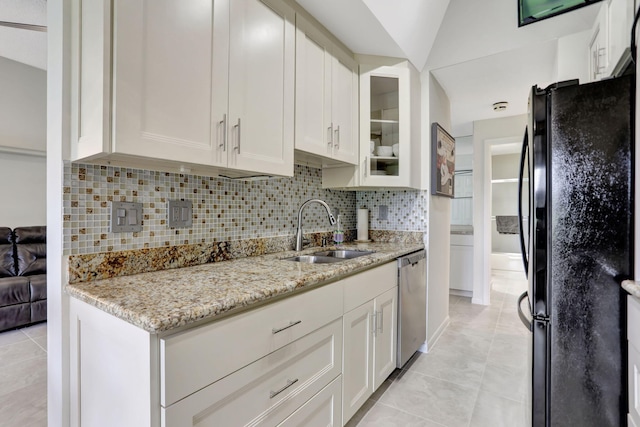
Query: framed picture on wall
point(443, 161)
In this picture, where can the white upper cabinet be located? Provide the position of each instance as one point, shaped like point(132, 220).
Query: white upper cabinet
point(261, 86)
point(198, 84)
point(326, 98)
point(620, 19)
point(389, 153)
point(170, 73)
point(609, 51)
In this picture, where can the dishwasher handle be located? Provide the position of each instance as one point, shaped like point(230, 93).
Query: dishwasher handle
point(412, 259)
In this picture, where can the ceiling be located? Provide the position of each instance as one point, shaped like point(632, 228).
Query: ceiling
point(474, 49)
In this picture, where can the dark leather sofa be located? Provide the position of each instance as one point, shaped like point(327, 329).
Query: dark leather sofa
point(23, 276)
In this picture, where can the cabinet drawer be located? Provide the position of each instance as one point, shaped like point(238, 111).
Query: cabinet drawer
point(267, 391)
point(193, 359)
point(323, 410)
point(366, 286)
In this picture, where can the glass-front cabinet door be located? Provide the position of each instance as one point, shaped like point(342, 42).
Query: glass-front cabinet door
point(385, 127)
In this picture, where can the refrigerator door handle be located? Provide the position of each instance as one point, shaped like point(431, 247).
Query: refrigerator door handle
point(523, 158)
point(526, 322)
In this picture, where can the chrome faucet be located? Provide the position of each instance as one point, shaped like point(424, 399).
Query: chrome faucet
point(299, 238)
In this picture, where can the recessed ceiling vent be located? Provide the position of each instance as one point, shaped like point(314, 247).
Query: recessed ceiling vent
point(500, 106)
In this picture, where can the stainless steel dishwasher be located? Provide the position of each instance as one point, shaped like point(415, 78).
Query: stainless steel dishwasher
point(412, 305)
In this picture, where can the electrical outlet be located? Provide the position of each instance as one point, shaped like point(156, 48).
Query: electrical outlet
point(180, 213)
point(126, 217)
point(383, 212)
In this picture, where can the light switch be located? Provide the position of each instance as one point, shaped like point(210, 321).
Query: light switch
point(180, 213)
point(125, 217)
point(132, 219)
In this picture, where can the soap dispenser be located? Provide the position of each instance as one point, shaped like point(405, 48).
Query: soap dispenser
point(338, 234)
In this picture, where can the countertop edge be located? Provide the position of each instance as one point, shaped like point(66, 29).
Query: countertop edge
point(177, 318)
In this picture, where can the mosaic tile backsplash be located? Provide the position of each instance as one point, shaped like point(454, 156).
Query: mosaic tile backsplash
point(406, 209)
point(224, 210)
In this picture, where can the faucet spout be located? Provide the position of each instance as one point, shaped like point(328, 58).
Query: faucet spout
point(299, 234)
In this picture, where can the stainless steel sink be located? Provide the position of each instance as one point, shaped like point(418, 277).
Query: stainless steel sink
point(326, 257)
point(343, 253)
point(313, 259)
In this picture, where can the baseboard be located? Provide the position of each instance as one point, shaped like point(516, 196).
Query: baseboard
point(458, 292)
point(427, 346)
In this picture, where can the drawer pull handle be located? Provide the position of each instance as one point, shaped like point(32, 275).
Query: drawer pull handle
point(276, 330)
point(273, 394)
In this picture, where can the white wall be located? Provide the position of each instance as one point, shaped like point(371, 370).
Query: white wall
point(23, 106)
point(58, 135)
point(23, 127)
point(438, 236)
point(504, 200)
point(23, 190)
point(485, 132)
point(573, 59)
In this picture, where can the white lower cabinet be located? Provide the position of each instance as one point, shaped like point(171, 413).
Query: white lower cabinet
point(633, 374)
point(267, 391)
point(370, 339)
point(322, 410)
point(310, 359)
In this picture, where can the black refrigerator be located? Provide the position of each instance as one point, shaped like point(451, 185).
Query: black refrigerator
point(576, 193)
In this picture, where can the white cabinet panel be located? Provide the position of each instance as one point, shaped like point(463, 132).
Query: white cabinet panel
point(344, 108)
point(323, 410)
point(620, 19)
point(357, 375)
point(313, 87)
point(326, 97)
point(167, 56)
point(385, 336)
point(633, 374)
point(461, 268)
point(370, 336)
point(187, 85)
point(261, 86)
point(267, 391)
point(186, 357)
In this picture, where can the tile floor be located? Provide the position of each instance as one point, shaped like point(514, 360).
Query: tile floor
point(474, 375)
point(23, 377)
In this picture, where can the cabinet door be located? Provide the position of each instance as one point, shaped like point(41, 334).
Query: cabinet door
point(322, 410)
point(267, 391)
point(384, 356)
point(598, 52)
point(385, 106)
point(357, 378)
point(620, 20)
point(167, 55)
point(344, 112)
point(313, 91)
point(634, 386)
point(261, 86)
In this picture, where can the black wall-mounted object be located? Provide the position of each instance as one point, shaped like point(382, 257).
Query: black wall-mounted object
point(530, 11)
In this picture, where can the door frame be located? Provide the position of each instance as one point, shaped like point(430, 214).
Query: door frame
point(482, 237)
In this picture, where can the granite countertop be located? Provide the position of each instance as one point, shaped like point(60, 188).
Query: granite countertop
point(169, 299)
point(632, 287)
